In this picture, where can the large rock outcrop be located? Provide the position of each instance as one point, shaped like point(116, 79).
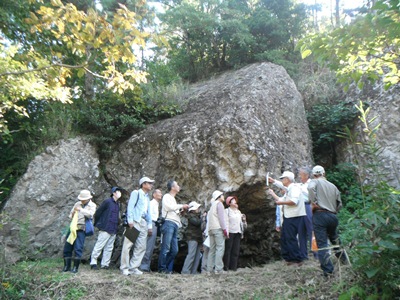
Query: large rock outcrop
point(236, 128)
point(37, 212)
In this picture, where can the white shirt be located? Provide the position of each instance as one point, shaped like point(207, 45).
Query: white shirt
point(293, 194)
point(304, 191)
point(170, 209)
point(154, 209)
point(234, 217)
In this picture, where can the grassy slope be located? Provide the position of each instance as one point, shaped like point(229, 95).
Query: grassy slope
point(43, 280)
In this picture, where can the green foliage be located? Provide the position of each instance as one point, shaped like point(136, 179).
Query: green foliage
point(325, 121)
point(344, 176)
point(210, 37)
point(365, 49)
point(58, 52)
point(113, 118)
point(286, 59)
point(373, 225)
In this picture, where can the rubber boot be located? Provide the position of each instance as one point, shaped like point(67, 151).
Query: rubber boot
point(76, 265)
point(67, 265)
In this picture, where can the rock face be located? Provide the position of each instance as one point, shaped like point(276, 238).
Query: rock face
point(236, 128)
point(385, 106)
point(37, 211)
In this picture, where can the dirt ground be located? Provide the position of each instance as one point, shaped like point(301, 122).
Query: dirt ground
point(272, 281)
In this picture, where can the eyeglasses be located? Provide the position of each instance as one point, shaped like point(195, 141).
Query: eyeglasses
point(151, 183)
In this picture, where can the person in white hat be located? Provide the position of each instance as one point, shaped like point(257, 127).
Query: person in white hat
point(294, 214)
point(326, 202)
point(85, 209)
point(218, 232)
point(194, 239)
point(139, 216)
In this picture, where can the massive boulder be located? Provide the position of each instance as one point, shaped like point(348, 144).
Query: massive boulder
point(236, 128)
point(36, 213)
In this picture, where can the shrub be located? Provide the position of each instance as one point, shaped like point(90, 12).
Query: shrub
point(372, 220)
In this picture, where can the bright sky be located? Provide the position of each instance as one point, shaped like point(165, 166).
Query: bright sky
point(326, 4)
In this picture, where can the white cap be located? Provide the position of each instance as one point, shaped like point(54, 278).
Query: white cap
point(318, 170)
point(194, 205)
point(145, 179)
point(287, 174)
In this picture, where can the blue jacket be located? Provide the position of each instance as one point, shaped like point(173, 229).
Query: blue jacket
point(106, 216)
point(136, 208)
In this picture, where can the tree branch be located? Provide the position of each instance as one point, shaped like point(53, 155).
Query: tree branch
point(42, 68)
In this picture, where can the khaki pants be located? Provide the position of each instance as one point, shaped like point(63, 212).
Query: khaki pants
point(138, 250)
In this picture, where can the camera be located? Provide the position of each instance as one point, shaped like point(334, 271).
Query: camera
point(124, 218)
point(160, 221)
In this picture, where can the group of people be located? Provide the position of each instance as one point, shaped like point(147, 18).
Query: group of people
point(307, 208)
point(223, 228)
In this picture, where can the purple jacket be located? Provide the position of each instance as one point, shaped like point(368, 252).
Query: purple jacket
point(106, 216)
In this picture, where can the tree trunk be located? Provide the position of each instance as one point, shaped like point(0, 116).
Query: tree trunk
point(337, 15)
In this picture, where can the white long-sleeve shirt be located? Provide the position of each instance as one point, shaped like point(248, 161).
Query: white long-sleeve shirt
point(170, 209)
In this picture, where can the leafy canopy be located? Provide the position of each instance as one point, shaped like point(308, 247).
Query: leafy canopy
point(368, 48)
point(70, 42)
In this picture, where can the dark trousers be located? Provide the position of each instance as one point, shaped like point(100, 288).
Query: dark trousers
point(232, 249)
point(77, 246)
point(305, 233)
point(325, 225)
point(290, 249)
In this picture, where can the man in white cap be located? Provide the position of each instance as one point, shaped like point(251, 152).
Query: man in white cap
point(139, 216)
point(294, 214)
point(326, 202)
point(170, 211)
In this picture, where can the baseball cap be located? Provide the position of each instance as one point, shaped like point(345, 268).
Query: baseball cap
point(114, 189)
point(145, 179)
point(318, 170)
point(287, 174)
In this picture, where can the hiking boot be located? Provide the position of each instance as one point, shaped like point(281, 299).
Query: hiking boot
point(67, 265)
point(94, 267)
point(105, 267)
point(76, 266)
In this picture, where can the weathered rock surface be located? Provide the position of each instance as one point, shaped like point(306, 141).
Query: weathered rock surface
point(385, 106)
point(37, 211)
point(236, 128)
